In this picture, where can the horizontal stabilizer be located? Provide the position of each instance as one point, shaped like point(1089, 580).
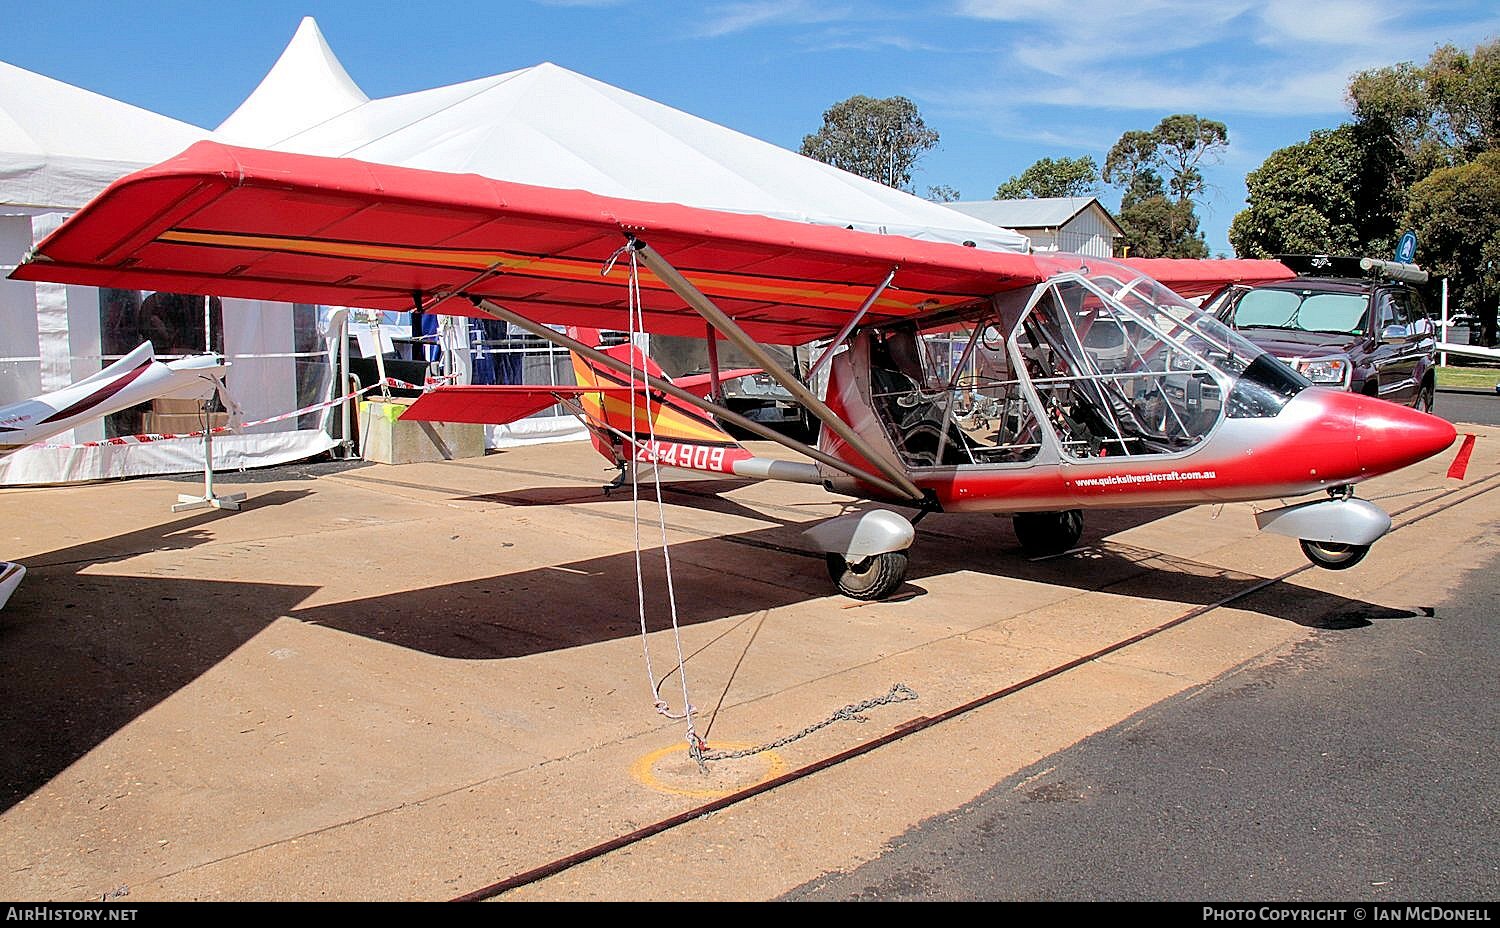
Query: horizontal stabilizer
point(701, 384)
point(496, 404)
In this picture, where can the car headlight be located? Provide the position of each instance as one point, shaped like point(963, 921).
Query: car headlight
point(1324, 370)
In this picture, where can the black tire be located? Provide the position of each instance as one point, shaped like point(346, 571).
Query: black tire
point(871, 578)
point(1333, 556)
point(1425, 397)
point(1042, 534)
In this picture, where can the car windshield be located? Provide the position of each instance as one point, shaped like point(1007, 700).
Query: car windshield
point(1341, 313)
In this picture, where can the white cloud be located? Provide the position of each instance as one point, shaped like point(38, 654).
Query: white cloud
point(726, 19)
point(1330, 22)
point(1217, 57)
point(847, 40)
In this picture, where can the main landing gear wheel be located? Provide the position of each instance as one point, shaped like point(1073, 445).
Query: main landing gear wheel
point(874, 577)
point(1042, 534)
point(1332, 555)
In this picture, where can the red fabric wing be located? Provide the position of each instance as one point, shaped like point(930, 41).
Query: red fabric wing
point(298, 228)
point(1190, 277)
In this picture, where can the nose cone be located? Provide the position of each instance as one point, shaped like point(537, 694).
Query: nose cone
point(1390, 437)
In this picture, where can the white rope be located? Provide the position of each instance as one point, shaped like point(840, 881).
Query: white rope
point(636, 314)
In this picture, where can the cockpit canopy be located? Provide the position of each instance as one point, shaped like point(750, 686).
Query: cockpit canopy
point(1098, 361)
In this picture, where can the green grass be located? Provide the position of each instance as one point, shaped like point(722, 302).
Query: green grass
point(1485, 377)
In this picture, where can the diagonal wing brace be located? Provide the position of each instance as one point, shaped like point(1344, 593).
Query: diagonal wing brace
point(598, 357)
point(716, 317)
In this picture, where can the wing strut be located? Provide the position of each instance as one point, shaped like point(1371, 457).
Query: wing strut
point(615, 364)
point(838, 339)
point(716, 317)
point(716, 389)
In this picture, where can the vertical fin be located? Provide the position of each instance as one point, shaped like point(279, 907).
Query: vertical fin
point(669, 430)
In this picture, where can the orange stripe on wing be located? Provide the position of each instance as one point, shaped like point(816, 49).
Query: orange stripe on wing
point(716, 284)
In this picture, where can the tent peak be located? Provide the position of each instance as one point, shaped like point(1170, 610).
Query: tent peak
point(306, 86)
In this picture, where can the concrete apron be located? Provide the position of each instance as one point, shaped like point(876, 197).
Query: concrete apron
point(410, 682)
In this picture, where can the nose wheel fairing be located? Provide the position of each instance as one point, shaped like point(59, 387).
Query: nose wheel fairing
point(1335, 533)
point(1337, 520)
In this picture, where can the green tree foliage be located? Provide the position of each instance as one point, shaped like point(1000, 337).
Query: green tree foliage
point(1159, 227)
point(1465, 93)
point(1392, 127)
point(878, 139)
point(1348, 190)
point(1062, 177)
point(1303, 200)
point(1456, 215)
point(1183, 142)
point(1157, 214)
point(1130, 164)
point(942, 193)
point(1174, 149)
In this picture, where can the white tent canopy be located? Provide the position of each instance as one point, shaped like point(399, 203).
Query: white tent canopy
point(552, 127)
point(60, 144)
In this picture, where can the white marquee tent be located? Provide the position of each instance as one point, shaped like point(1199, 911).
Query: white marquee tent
point(541, 125)
point(552, 127)
point(59, 146)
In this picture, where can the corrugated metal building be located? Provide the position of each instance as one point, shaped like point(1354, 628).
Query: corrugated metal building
point(1075, 224)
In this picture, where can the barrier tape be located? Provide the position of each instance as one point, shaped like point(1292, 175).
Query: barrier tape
point(219, 430)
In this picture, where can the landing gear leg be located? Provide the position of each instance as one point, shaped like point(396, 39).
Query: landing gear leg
point(1042, 534)
point(619, 480)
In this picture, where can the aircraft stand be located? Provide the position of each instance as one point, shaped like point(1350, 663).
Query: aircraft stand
point(209, 500)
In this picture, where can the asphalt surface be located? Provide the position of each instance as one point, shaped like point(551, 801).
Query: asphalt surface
point(1473, 406)
point(1360, 765)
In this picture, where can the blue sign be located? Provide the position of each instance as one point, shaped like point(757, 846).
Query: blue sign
point(1406, 249)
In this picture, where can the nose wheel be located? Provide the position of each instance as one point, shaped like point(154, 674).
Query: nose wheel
point(1334, 556)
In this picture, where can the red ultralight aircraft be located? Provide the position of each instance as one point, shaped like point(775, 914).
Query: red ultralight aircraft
point(956, 379)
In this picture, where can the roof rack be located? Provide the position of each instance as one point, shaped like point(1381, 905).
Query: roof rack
point(1348, 266)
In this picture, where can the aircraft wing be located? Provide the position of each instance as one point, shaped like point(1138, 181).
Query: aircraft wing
point(239, 222)
point(1191, 277)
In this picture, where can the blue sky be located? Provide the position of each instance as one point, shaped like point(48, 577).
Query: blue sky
point(1004, 82)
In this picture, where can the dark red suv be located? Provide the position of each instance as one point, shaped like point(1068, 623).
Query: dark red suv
point(1358, 325)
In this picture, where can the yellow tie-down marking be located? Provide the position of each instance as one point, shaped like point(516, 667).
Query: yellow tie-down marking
point(672, 770)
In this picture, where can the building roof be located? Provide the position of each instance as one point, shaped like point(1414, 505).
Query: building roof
point(1034, 212)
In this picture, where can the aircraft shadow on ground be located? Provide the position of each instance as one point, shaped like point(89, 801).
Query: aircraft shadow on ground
point(564, 605)
point(84, 653)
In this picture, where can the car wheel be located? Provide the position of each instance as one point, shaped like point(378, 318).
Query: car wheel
point(1332, 555)
point(1425, 397)
point(874, 577)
